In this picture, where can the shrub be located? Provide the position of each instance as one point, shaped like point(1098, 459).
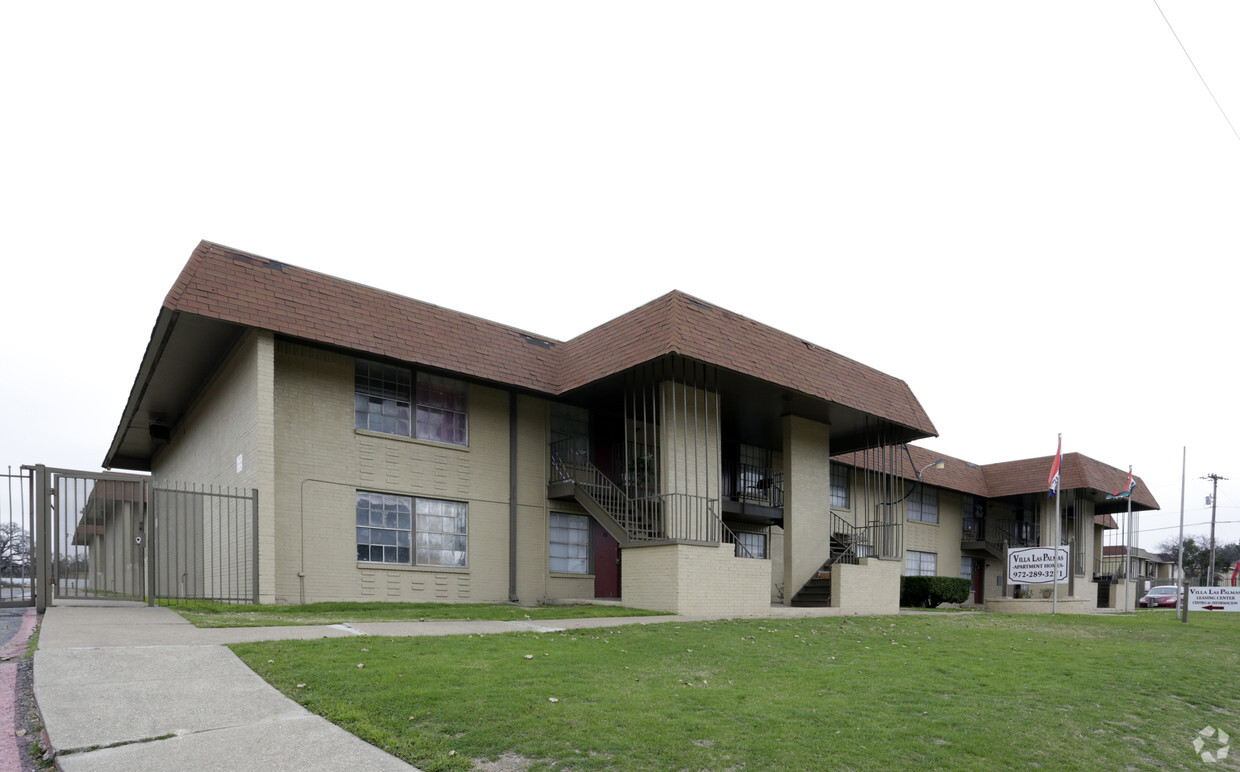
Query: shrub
point(930, 591)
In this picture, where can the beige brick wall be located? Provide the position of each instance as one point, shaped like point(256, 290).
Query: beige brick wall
point(696, 580)
point(221, 425)
point(224, 439)
point(807, 498)
point(941, 538)
point(322, 461)
point(870, 587)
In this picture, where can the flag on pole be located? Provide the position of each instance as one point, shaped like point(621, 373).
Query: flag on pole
point(1127, 491)
point(1052, 482)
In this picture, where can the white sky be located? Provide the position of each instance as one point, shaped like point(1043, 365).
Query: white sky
point(1028, 211)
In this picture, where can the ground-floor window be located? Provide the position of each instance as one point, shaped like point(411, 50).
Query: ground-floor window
point(920, 563)
point(750, 545)
point(966, 568)
point(570, 544)
point(407, 530)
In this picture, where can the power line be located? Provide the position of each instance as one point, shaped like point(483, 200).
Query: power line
point(1199, 75)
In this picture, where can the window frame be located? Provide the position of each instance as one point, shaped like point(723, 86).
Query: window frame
point(920, 569)
point(742, 539)
point(410, 403)
point(918, 513)
point(417, 509)
point(588, 559)
point(840, 490)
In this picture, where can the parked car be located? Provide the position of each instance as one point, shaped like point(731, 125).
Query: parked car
point(1160, 597)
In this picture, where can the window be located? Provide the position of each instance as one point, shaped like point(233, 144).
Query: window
point(570, 544)
point(384, 401)
point(919, 563)
point(441, 410)
point(923, 504)
point(966, 568)
point(750, 545)
point(403, 530)
point(839, 486)
point(381, 398)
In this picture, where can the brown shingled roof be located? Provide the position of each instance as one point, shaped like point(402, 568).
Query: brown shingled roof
point(1012, 478)
point(680, 323)
point(1077, 471)
point(956, 474)
point(234, 286)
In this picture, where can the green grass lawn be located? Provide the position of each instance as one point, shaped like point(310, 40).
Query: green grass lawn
point(208, 614)
point(968, 691)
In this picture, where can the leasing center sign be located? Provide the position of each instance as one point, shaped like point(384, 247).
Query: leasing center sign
point(1037, 565)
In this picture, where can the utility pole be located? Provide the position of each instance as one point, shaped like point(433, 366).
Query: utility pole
point(1213, 513)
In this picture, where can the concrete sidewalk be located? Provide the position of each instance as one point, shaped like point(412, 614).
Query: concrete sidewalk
point(149, 691)
point(122, 686)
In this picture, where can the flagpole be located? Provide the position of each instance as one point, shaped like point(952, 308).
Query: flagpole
point(1128, 549)
point(1055, 546)
point(1181, 596)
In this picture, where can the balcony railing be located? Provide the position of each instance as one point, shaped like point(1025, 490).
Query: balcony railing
point(997, 533)
point(753, 484)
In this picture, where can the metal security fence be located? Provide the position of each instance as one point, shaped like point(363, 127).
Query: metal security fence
point(204, 543)
point(126, 537)
point(17, 538)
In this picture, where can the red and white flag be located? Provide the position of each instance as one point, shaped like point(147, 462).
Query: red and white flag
point(1052, 482)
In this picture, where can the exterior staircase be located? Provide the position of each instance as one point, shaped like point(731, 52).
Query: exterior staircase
point(627, 520)
point(845, 547)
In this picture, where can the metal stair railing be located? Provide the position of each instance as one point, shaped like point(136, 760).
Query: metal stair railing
point(656, 517)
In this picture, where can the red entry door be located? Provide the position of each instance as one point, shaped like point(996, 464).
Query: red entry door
point(606, 562)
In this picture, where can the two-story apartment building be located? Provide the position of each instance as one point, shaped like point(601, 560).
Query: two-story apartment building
point(960, 518)
point(678, 457)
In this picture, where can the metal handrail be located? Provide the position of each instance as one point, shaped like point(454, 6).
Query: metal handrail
point(998, 533)
point(753, 484)
point(654, 517)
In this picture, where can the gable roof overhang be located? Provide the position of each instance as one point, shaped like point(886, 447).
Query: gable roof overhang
point(1026, 477)
point(1092, 478)
point(223, 292)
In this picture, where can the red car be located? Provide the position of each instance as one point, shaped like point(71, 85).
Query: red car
point(1160, 597)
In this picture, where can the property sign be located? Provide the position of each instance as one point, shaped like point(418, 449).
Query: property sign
point(1037, 565)
point(1214, 598)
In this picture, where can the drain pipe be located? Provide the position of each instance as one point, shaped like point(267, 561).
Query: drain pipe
point(512, 496)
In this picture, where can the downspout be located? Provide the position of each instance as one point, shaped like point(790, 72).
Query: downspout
point(512, 496)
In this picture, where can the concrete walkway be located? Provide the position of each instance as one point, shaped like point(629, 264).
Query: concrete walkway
point(122, 686)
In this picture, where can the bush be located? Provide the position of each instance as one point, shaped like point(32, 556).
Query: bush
point(930, 591)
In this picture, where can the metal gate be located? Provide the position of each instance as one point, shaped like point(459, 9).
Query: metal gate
point(123, 536)
point(16, 539)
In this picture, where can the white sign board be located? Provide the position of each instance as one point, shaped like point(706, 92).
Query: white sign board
point(1036, 565)
point(1214, 598)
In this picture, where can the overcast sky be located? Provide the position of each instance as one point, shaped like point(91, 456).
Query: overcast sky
point(1028, 211)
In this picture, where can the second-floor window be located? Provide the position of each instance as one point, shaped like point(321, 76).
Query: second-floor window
point(923, 504)
point(839, 486)
point(389, 399)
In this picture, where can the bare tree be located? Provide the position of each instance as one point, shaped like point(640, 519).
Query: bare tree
point(14, 549)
